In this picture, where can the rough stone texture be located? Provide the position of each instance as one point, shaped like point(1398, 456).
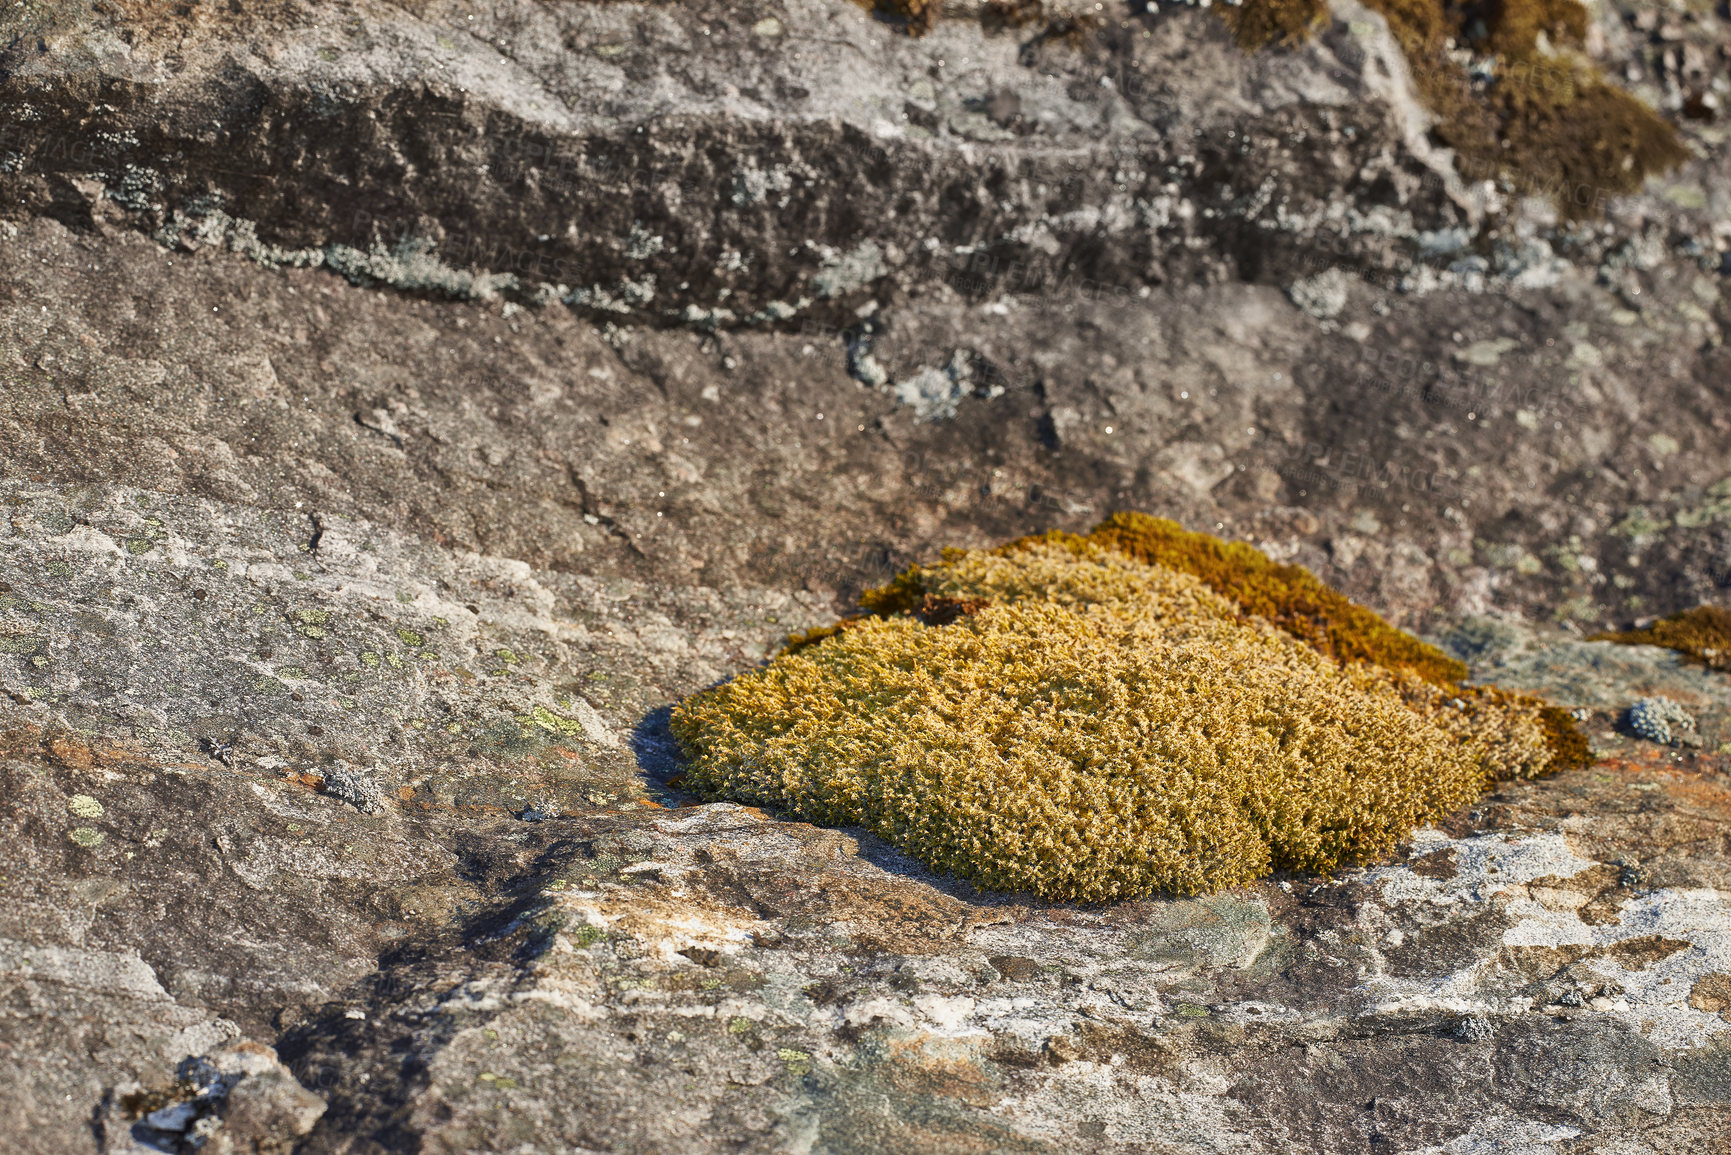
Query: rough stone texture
point(445, 972)
point(321, 472)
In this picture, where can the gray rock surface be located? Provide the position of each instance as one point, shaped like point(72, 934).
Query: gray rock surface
point(404, 405)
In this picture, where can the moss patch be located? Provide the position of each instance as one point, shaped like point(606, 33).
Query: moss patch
point(1703, 634)
point(1063, 718)
point(1537, 112)
point(1273, 23)
point(1295, 600)
point(1289, 596)
point(1513, 92)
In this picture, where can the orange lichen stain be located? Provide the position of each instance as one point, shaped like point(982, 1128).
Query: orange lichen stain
point(1640, 760)
point(924, 1064)
point(1715, 800)
point(72, 755)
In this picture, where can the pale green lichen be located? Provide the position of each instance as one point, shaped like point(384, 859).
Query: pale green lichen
point(1716, 509)
point(547, 720)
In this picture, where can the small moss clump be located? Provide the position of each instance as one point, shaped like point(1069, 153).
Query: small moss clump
point(1569, 748)
point(1703, 634)
point(1063, 718)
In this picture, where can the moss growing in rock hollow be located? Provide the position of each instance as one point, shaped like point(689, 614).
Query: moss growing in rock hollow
point(1512, 92)
point(1067, 720)
point(1703, 633)
point(1543, 117)
point(915, 16)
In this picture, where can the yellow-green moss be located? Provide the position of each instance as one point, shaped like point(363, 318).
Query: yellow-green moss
point(817, 634)
point(1087, 726)
point(1703, 633)
point(1290, 596)
point(1521, 736)
point(1569, 748)
point(1294, 599)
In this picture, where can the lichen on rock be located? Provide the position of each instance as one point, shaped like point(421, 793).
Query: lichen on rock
point(355, 788)
point(1660, 720)
point(1514, 89)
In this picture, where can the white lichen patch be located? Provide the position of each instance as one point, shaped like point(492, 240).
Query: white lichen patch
point(1187, 1114)
point(1650, 956)
point(1655, 997)
point(1502, 1136)
point(659, 930)
point(852, 270)
point(1323, 295)
point(1483, 866)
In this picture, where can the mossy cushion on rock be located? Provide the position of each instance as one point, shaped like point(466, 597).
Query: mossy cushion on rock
point(1086, 726)
point(1703, 634)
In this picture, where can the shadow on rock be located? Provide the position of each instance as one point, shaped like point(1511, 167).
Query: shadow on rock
point(659, 760)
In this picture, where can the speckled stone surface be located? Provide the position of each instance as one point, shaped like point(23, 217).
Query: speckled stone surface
point(534, 940)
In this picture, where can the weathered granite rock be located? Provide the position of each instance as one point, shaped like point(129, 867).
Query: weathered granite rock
point(355, 540)
point(627, 976)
